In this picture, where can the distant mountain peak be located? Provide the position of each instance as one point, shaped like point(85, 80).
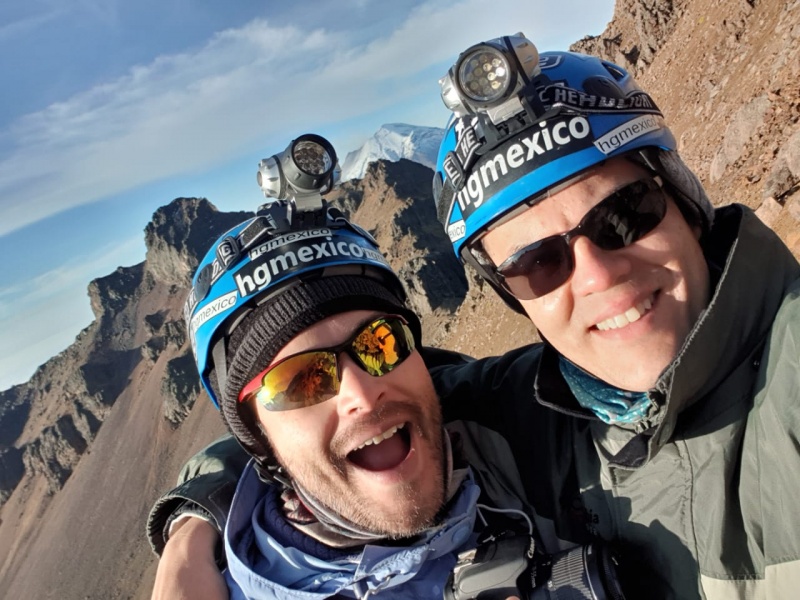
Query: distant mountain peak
point(392, 142)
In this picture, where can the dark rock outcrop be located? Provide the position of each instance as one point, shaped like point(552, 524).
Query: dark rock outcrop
point(55, 452)
point(180, 387)
point(179, 235)
point(14, 409)
point(12, 468)
point(47, 423)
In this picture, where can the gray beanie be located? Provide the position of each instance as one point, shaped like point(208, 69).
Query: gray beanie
point(262, 333)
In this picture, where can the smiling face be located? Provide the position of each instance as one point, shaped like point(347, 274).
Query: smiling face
point(374, 452)
point(623, 314)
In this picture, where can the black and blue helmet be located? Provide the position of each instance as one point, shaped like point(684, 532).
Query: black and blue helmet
point(263, 258)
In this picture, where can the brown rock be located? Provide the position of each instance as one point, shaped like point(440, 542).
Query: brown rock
point(769, 211)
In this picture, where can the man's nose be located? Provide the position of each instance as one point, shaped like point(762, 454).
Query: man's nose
point(358, 390)
point(596, 269)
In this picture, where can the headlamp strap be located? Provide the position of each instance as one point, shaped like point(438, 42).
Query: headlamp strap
point(263, 224)
point(469, 140)
point(308, 219)
point(336, 218)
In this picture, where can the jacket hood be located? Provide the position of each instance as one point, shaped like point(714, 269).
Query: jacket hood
point(730, 328)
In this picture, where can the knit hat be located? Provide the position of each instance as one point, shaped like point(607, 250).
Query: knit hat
point(256, 340)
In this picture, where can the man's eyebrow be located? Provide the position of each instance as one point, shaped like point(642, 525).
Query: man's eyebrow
point(516, 248)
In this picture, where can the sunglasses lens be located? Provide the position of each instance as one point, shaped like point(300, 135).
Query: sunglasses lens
point(382, 345)
point(625, 216)
point(539, 270)
point(312, 377)
point(299, 381)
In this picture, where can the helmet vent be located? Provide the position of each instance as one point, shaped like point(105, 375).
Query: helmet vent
point(616, 72)
point(603, 86)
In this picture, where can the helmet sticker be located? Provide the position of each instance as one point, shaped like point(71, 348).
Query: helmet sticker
point(288, 238)
point(520, 155)
point(549, 61)
point(212, 309)
point(457, 230)
point(283, 261)
point(627, 132)
point(228, 252)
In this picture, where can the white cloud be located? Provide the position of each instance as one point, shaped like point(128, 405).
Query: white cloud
point(187, 112)
point(18, 19)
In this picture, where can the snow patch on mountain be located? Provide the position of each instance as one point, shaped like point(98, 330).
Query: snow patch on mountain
point(393, 142)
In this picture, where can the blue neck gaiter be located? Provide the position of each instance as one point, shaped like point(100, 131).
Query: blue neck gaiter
point(611, 405)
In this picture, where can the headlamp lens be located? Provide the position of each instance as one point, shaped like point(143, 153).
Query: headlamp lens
point(484, 75)
point(311, 158)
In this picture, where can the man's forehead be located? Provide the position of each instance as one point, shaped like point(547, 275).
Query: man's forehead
point(599, 181)
point(330, 331)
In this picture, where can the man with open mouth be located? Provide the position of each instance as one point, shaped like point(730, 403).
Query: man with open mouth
point(303, 340)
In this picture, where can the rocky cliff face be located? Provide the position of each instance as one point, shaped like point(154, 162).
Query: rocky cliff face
point(726, 74)
point(637, 32)
point(49, 422)
point(394, 202)
point(727, 77)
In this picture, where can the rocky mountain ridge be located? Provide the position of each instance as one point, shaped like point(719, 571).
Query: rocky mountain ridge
point(138, 340)
point(101, 428)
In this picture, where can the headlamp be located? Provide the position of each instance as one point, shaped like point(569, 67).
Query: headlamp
point(488, 77)
point(303, 172)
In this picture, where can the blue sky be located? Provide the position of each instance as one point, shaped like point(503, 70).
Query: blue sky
point(111, 109)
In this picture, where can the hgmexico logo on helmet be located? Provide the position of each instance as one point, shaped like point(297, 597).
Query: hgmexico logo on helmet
point(266, 269)
point(497, 170)
point(293, 252)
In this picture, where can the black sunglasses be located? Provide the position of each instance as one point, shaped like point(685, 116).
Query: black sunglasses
point(618, 220)
point(314, 376)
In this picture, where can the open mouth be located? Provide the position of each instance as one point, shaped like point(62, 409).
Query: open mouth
point(383, 452)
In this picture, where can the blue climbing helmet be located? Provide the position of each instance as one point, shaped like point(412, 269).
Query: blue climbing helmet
point(294, 263)
point(526, 124)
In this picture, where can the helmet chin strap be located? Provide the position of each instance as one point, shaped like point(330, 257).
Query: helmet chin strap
point(220, 366)
point(273, 475)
